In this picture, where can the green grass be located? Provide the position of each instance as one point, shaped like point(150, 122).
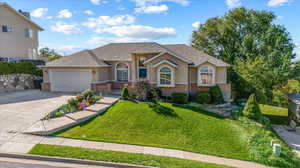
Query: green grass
point(119, 157)
point(169, 126)
point(277, 115)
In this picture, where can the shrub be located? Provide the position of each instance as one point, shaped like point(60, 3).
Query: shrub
point(154, 93)
point(179, 98)
point(203, 98)
point(216, 95)
point(87, 93)
point(252, 109)
point(19, 68)
point(125, 93)
point(7, 68)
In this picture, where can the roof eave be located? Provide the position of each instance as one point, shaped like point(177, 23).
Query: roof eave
point(24, 17)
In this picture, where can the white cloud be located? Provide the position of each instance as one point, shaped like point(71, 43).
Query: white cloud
point(152, 9)
point(67, 49)
point(233, 3)
point(274, 3)
point(151, 2)
point(109, 21)
point(139, 32)
point(97, 2)
point(49, 17)
point(88, 12)
point(196, 24)
point(39, 12)
point(65, 13)
point(66, 28)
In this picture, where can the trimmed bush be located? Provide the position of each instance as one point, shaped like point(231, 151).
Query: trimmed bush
point(216, 95)
point(19, 68)
point(7, 68)
point(252, 110)
point(179, 98)
point(154, 93)
point(125, 93)
point(203, 98)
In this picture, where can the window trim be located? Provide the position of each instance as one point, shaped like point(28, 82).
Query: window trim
point(8, 27)
point(172, 76)
point(213, 75)
point(116, 72)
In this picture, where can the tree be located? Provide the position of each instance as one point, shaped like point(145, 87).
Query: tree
point(242, 36)
point(252, 109)
point(48, 54)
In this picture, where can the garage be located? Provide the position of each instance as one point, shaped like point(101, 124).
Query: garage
point(70, 80)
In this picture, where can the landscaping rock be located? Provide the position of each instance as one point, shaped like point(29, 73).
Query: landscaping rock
point(81, 115)
point(15, 82)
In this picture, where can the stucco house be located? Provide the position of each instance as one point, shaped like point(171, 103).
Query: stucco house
point(18, 34)
point(173, 68)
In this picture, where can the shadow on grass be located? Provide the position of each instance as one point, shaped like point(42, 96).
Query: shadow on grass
point(162, 110)
point(197, 110)
point(279, 120)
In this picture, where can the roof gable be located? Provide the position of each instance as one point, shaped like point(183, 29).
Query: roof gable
point(3, 4)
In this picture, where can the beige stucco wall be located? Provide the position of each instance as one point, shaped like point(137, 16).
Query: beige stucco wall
point(15, 44)
point(113, 68)
point(181, 71)
point(104, 74)
point(220, 77)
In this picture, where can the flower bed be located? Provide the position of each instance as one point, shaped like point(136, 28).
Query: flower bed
point(80, 102)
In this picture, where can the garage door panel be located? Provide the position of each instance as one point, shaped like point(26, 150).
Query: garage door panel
point(70, 80)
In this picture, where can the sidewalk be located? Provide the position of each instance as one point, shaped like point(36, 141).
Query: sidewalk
point(150, 150)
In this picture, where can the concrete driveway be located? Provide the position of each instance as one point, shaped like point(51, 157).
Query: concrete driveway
point(20, 110)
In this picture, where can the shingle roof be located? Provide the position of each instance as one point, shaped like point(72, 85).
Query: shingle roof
point(196, 56)
point(83, 58)
point(123, 52)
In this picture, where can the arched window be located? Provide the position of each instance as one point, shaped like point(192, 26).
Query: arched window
point(122, 72)
point(206, 75)
point(165, 77)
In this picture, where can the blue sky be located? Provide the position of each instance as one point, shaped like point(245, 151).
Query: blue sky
point(72, 25)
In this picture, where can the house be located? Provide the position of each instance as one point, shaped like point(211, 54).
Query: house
point(173, 68)
point(18, 34)
point(294, 109)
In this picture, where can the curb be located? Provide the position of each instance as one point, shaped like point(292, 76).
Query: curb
point(69, 160)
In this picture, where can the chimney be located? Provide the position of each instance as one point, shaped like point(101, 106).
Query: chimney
point(26, 14)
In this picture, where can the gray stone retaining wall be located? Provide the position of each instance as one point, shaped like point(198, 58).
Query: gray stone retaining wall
point(15, 82)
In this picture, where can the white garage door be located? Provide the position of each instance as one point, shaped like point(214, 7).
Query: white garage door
point(70, 80)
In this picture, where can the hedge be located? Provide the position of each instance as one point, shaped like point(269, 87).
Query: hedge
point(7, 68)
point(179, 98)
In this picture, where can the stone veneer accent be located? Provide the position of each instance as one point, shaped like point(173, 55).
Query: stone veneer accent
point(14, 82)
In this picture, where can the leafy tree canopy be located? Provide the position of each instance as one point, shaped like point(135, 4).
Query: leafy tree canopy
point(248, 39)
point(48, 54)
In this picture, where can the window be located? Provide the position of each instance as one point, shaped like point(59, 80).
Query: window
point(7, 28)
point(165, 76)
point(142, 69)
point(206, 75)
point(28, 33)
point(122, 72)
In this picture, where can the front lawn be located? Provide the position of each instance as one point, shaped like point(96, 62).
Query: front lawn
point(165, 125)
point(277, 115)
point(119, 157)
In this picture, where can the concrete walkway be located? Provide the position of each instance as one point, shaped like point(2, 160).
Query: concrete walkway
point(23, 143)
point(19, 110)
point(150, 150)
point(291, 138)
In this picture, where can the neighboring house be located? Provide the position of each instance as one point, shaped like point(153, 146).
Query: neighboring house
point(173, 68)
point(18, 34)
